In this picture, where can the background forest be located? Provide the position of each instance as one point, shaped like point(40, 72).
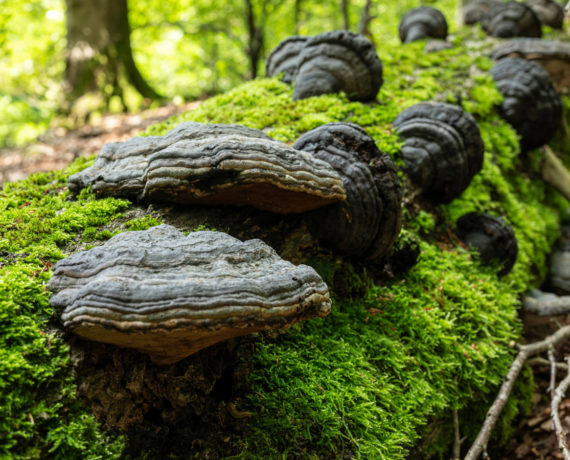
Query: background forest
point(183, 49)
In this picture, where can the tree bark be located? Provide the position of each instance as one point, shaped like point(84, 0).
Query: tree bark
point(255, 37)
point(99, 50)
point(365, 19)
point(344, 10)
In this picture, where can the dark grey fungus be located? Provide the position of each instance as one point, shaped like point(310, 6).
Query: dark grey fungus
point(511, 19)
point(443, 149)
point(367, 223)
point(170, 295)
point(549, 12)
point(552, 55)
point(284, 59)
point(491, 237)
point(475, 10)
point(422, 22)
point(530, 101)
point(213, 164)
point(338, 61)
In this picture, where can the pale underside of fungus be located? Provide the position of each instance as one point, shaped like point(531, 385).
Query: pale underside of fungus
point(284, 59)
point(422, 22)
point(511, 19)
point(170, 295)
point(530, 101)
point(443, 149)
point(368, 222)
point(213, 164)
point(338, 61)
point(552, 55)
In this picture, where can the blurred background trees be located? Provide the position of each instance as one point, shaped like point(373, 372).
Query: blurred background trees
point(68, 61)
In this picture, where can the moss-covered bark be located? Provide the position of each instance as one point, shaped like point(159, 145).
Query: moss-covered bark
point(397, 352)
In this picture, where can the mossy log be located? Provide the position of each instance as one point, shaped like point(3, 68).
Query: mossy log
point(396, 355)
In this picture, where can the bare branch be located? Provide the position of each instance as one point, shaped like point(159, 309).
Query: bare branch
point(516, 366)
point(559, 393)
point(545, 362)
point(552, 385)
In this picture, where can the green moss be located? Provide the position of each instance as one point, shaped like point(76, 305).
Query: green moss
point(39, 415)
point(390, 357)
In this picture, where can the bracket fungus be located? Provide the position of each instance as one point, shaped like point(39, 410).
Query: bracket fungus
point(443, 148)
point(170, 295)
point(511, 19)
point(549, 12)
point(284, 59)
point(213, 164)
point(552, 55)
point(530, 101)
point(335, 61)
point(475, 10)
point(422, 22)
point(368, 222)
point(491, 237)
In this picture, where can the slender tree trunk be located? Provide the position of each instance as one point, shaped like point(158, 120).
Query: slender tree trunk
point(344, 10)
point(297, 15)
point(99, 54)
point(255, 37)
point(365, 19)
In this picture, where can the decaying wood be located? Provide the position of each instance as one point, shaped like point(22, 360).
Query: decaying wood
point(555, 173)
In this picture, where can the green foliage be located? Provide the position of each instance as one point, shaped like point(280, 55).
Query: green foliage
point(142, 223)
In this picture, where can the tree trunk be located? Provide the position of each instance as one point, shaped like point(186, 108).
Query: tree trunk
point(344, 10)
point(99, 57)
point(365, 19)
point(255, 37)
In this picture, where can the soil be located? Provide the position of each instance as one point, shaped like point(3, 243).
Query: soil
point(57, 148)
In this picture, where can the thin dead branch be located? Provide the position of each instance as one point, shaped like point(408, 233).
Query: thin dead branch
point(545, 362)
point(558, 395)
point(525, 351)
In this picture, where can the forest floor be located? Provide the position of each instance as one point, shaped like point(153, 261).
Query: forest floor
point(58, 147)
point(534, 439)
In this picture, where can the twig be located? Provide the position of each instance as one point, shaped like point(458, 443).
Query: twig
point(545, 362)
point(456, 437)
point(558, 394)
point(493, 414)
point(552, 385)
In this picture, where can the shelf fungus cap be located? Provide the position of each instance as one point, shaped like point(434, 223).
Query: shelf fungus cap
point(443, 149)
point(552, 55)
point(491, 237)
point(368, 222)
point(530, 101)
point(213, 164)
point(549, 12)
point(422, 22)
point(511, 19)
point(170, 295)
point(284, 59)
point(476, 10)
point(336, 61)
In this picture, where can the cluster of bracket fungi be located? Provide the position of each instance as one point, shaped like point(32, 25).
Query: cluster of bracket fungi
point(170, 295)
